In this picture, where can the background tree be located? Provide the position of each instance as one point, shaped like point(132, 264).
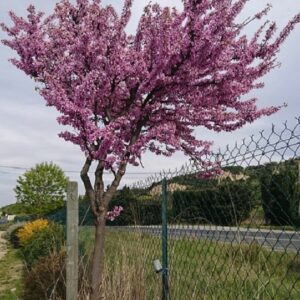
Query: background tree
point(42, 189)
point(125, 94)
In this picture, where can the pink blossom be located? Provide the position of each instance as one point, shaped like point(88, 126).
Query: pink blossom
point(121, 95)
point(112, 215)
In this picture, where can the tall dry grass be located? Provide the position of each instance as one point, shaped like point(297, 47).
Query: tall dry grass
point(198, 269)
point(128, 273)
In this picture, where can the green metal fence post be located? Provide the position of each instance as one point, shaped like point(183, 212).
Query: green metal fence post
point(164, 206)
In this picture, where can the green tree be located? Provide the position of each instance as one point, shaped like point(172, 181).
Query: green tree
point(42, 189)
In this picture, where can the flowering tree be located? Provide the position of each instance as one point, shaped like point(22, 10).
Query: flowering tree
point(125, 94)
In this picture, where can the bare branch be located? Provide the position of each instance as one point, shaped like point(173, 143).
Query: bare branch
point(84, 175)
point(113, 171)
point(99, 187)
point(122, 168)
point(87, 183)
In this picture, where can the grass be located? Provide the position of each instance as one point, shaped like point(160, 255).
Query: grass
point(10, 276)
point(211, 270)
point(198, 269)
point(257, 220)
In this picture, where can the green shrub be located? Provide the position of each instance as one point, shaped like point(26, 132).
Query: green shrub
point(24, 218)
point(149, 213)
point(228, 203)
point(43, 243)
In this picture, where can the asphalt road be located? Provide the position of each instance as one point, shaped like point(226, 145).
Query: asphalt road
point(272, 239)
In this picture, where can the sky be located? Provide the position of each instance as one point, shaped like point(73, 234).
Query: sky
point(29, 132)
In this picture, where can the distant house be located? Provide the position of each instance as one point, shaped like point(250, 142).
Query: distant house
point(10, 218)
point(7, 218)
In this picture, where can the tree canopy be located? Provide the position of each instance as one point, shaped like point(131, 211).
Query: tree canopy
point(125, 94)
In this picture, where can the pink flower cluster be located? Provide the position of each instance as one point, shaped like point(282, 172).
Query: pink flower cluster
point(112, 215)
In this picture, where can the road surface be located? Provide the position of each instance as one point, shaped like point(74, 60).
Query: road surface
point(272, 239)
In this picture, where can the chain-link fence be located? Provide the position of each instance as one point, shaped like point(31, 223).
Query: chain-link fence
point(233, 235)
point(229, 230)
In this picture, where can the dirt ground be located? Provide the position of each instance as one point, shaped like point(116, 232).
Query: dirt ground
point(11, 269)
point(3, 245)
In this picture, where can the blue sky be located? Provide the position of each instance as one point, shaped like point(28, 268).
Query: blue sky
point(28, 129)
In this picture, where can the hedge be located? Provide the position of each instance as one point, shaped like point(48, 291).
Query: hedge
point(137, 209)
point(280, 193)
point(228, 203)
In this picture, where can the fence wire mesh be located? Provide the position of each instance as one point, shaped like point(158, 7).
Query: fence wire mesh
point(232, 236)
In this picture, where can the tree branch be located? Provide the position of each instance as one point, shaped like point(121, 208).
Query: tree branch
point(122, 168)
point(87, 183)
point(99, 187)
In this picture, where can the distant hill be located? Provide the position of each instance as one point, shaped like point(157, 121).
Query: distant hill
point(13, 209)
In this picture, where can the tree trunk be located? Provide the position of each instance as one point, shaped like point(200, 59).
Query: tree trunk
point(99, 204)
point(98, 259)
